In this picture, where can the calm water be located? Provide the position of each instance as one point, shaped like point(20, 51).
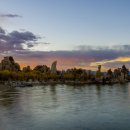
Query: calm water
point(63, 107)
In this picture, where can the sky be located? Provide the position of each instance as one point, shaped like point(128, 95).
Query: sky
point(76, 33)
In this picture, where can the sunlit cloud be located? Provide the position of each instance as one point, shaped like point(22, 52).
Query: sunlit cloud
point(119, 59)
point(71, 59)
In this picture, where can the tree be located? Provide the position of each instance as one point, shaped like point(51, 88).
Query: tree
point(125, 71)
point(110, 74)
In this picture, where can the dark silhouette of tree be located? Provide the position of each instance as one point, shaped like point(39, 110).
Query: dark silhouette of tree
point(125, 71)
point(110, 74)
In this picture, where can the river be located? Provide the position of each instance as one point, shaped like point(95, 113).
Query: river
point(65, 107)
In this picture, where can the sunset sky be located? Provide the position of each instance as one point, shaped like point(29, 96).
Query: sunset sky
point(76, 33)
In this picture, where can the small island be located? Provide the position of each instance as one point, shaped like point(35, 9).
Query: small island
point(12, 75)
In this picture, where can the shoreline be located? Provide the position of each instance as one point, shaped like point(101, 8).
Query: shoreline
point(33, 83)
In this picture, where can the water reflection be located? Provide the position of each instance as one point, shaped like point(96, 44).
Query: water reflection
point(98, 88)
point(53, 92)
point(63, 107)
point(8, 96)
point(53, 89)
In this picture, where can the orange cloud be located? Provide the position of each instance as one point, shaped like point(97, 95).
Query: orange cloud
point(119, 59)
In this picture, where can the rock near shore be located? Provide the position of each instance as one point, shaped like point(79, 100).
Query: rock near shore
point(8, 63)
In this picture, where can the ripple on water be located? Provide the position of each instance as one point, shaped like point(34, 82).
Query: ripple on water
point(64, 107)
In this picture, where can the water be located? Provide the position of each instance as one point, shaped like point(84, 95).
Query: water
point(64, 107)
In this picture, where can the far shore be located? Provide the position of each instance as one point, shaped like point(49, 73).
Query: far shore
point(12, 75)
point(52, 82)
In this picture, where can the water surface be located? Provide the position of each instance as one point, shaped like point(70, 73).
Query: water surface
point(64, 107)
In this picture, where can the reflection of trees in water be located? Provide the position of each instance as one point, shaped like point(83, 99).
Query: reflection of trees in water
point(8, 96)
point(53, 88)
point(72, 87)
point(99, 89)
point(112, 88)
point(53, 92)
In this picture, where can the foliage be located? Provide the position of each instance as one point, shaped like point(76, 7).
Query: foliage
point(71, 74)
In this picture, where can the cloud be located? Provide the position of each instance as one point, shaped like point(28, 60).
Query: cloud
point(2, 31)
point(88, 59)
point(106, 52)
point(5, 18)
point(46, 43)
point(16, 40)
point(108, 56)
point(20, 43)
point(10, 16)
